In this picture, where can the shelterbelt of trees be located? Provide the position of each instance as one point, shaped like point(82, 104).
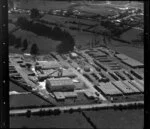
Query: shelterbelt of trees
point(56, 33)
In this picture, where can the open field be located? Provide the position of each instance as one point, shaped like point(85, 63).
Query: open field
point(132, 34)
point(26, 100)
point(43, 5)
point(64, 120)
point(125, 119)
point(11, 27)
point(14, 17)
point(14, 87)
point(129, 50)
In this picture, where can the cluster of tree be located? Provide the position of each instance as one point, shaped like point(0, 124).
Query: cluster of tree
point(129, 106)
point(17, 43)
point(44, 112)
point(115, 31)
point(30, 106)
point(56, 33)
point(10, 4)
point(35, 13)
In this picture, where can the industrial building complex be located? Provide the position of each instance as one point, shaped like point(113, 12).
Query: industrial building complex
point(89, 76)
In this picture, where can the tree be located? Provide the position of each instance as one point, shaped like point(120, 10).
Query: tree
point(34, 49)
point(28, 113)
point(12, 39)
point(67, 43)
point(71, 110)
point(22, 22)
point(10, 4)
point(34, 13)
point(25, 45)
point(18, 43)
point(56, 111)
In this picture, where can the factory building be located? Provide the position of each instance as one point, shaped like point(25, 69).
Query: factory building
point(48, 64)
point(90, 95)
point(137, 85)
point(127, 83)
point(59, 84)
point(59, 95)
point(109, 89)
point(70, 94)
point(122, 87)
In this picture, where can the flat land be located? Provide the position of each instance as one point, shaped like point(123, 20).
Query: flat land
point(26, 100)
point(129, 50)
point(131, 34)
point(64, 120)
point(43, 5)
point(125, 119)
point(14, 87)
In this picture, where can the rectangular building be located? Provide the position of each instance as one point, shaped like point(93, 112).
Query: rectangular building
point(59, 95)
point(131, 86)
point(59, 84)
point(122, 87)
point(109, 89)
point(137, 85)
point(90, 94)
point(48, 64)
point(70, 94)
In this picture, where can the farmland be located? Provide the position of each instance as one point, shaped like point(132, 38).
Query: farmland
point(14, 87)
point(134, 52)
point(64, 120)
point(125, 119)
point(24, 100)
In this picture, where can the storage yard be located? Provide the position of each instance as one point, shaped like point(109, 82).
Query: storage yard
point(96, 76)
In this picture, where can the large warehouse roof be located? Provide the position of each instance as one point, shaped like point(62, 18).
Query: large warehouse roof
point(59, 84)
point(131, 86)
point(60, 81)
point(48, 64)
point(125, 89)
point(109, 89)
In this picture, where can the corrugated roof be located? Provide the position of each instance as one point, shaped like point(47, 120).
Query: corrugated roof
point(70, 94)
point(133, 63)
point(59, 95)
point(109, 89)
point(125, 89)
point(137, 85)
point(121, 56)
point(128, 60)
point(131, 86)
point(60, 81)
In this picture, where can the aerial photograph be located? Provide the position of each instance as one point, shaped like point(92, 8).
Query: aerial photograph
point(76, 64)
